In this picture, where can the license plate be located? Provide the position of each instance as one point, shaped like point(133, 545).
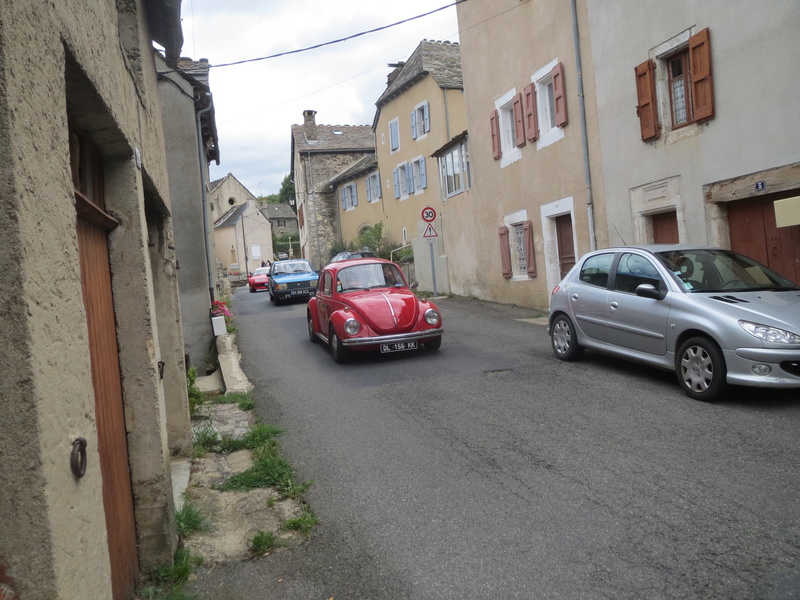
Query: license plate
point(298, 292)
point(398, 346)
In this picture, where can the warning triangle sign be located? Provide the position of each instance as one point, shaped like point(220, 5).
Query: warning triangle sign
point(430, 232)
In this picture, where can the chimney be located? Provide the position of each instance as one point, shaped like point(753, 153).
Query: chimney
point(398, 66)
point(310, 125)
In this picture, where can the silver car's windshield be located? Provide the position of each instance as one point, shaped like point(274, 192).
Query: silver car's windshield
point(364, 277)
point(707, 271)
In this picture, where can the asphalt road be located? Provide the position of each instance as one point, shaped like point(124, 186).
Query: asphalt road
point(490, 470)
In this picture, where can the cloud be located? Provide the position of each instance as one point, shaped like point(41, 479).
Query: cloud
point(256, 103)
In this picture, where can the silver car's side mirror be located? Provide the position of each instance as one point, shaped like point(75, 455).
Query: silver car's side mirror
point(646, 290)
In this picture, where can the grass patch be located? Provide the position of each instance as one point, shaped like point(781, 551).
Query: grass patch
point(168, 581)
point(205, 437)
point(263, 542)
point(304, 523)
point(190, 519)
point(243, 399)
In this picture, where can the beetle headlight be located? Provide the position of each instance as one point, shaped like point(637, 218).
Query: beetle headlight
point(352, 327)
point(769, 334)
point(432, 316)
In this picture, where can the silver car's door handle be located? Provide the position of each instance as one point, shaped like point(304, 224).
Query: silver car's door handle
point(574, 296)
point(614, 305)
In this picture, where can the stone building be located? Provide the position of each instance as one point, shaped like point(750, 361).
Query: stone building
point(93, 361)
point(320, 152)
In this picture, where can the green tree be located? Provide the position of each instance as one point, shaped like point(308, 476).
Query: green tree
point(287, 190)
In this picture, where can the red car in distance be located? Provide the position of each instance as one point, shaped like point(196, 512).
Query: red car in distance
point(258, 280)
point(366, 305)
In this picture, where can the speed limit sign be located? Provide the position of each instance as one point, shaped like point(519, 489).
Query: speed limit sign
point(428, 214)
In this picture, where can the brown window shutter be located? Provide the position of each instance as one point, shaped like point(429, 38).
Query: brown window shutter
point(646, 100)
point(559, 97)
point(494, 124)
point(531, 118)
point(505, 253)
point(519, 121)
point(527, 230)
point(700, 69)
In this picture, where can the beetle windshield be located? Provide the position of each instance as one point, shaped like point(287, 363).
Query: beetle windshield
point(364, 277)
point(699, 270)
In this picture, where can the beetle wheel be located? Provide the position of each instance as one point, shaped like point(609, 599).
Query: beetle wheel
point(338, 350)
point(311, 335)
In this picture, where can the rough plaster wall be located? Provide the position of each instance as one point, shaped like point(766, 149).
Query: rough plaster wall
point(60, 518)
point(186, 195)
point(53, 524)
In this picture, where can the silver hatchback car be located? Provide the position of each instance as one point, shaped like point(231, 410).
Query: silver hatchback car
point(713, 316)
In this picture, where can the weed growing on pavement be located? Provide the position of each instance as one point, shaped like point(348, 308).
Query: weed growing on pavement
point(243, 399)
point(304, 523)
point(196, 396)
point(190, 519)
point(204, 439)
point(269, 469)
point(263, 542)
point(168, 580)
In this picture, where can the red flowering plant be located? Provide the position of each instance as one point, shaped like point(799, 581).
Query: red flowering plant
point(220, 308)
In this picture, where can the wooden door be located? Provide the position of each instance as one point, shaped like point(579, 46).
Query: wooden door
point(665, 228)
point(755, 233)
point(112, 438)
point(566, 244)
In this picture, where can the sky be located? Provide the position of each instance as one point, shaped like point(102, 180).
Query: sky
point(257, 102)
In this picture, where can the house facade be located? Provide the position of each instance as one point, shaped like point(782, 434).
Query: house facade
point(318, 154)
point(191, 144)
point(536, 192)
point(282, 217)
point(705, 157)
point(93, 345)
point(360, 195)
point(242, 234)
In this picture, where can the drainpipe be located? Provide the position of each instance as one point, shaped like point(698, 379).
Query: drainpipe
point(587, 172)
point(204, 191)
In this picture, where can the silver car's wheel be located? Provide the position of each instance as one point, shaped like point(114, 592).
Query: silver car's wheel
point(563, 339)
point(701, 370)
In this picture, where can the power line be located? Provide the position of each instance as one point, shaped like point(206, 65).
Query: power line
point(340, 40)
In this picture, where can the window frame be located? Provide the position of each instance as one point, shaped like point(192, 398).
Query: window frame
point(459, 154)
point(348, 196)
point(373, 184)
point(420, 115)
point(549, 97)
point(394, 135)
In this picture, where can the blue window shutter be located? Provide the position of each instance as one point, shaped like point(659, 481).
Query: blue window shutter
point(427, 114)
point(369, 188)
point(396, 177)
point(378, 192)
point(414, 124)
point(409, 179)
point(344, 199)
point(355, 195)
point(423, 177)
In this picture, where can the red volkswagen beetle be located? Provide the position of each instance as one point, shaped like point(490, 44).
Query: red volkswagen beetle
point(366, 305)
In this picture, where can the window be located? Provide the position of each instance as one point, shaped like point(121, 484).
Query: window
point(517, 257)
point(420, 121)
point(633, 271)
point(403, 177)
point(373, 187)
point(419, 174)
point(507, 129)
point(454, 168)
point(596, 269)
point(349, 196)
point(545, 104)
point(681, 73)
point(394, 135)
